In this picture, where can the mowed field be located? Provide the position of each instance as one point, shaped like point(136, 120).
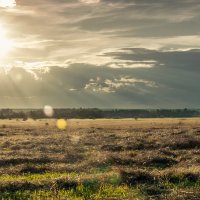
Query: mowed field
point(103, 159)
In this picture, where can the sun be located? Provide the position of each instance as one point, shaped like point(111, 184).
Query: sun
point(7, 3)
point(5, 43)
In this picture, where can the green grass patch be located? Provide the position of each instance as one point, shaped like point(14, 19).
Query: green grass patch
point(82, 192)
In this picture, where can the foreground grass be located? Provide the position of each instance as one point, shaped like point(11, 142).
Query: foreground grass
point(100, 160)
point(66, 186)
point(79, 193)
point(127, 185)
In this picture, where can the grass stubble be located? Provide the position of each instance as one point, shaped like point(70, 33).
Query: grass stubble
point(100, 159)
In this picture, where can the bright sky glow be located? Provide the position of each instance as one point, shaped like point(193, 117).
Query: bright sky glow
point(5, 43)
point(7, 3)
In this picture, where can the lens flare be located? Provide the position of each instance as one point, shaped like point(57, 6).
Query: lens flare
point(48, 111)
point(61, 124)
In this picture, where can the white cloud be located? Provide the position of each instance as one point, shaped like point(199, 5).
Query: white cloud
point(90, 1)
point(110, 86)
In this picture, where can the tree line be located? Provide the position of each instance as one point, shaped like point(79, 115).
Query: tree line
point(94, 113)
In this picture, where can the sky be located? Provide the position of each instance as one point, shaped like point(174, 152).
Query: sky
point(100, 53)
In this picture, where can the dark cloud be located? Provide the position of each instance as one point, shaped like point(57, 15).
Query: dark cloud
point(186, 60)
point(172, 82)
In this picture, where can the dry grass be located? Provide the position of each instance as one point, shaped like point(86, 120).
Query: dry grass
point(161, 157)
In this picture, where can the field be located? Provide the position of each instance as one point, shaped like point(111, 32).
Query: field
point(118, 159)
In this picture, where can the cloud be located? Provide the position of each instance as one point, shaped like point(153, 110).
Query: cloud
point(183, 59)
point(90, 1)
point(61, 30)
point(109, 86)
point(101, 53)
point(170, 83)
